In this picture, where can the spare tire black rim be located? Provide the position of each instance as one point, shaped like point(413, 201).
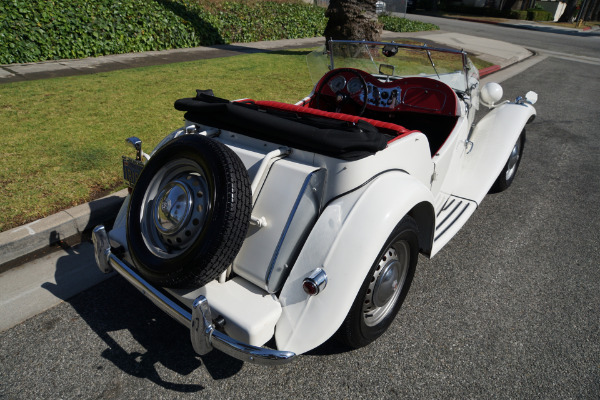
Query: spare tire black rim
point(175, 208)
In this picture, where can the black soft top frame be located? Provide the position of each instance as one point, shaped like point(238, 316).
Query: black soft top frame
point(339, 139)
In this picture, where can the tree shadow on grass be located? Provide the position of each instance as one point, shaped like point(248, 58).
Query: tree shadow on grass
point(205, 31)
point(292, 50)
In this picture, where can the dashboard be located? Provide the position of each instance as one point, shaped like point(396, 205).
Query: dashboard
point(419, 94)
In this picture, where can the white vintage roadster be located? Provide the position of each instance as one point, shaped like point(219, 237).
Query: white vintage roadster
point(266, 228)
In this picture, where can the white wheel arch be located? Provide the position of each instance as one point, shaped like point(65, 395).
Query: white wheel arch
point(345, 242)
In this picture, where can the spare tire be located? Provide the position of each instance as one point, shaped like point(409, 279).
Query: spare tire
point(189, 212)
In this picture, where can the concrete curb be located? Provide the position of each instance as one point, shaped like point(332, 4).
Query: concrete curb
point(489, 70)
point(47, 232)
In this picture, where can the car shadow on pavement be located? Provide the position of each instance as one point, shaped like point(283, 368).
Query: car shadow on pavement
point(113, 306)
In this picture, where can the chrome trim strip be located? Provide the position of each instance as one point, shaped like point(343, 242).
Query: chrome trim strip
point(448, 216)
point(282, 151)
point(455, 219)
point(287, 227)
point(204, 336)
point(445, 206)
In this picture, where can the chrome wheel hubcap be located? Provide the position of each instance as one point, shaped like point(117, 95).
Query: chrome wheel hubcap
point(173, 207)
point(386, 284)
point(176, 205)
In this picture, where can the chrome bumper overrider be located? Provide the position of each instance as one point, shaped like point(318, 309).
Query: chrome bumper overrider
point(204, 336)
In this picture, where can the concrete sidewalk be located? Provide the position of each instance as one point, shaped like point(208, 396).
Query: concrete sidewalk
point(23, 243)
point(537, 26)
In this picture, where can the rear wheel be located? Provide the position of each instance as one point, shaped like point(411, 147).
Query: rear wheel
point(507, 176)
point(189, 212)
point(384, 289)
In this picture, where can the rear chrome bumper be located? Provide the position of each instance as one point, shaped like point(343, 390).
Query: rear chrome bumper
point(203, 334)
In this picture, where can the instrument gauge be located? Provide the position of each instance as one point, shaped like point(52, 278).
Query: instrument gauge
point(337, 83)
point(354, 85)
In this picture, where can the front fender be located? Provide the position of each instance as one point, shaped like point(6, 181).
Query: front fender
point(493, 139)
point(344, 242)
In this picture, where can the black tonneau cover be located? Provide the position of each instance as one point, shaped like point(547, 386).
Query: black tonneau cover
point(321, 135)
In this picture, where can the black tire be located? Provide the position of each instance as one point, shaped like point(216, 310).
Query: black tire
point(189, 248)
point(367, 320)
point(508, 173)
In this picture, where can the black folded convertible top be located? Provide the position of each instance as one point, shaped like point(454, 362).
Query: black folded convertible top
point(321, 135)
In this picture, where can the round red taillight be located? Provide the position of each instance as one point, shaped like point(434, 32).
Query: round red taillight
point(310, 287)
point(315, 282)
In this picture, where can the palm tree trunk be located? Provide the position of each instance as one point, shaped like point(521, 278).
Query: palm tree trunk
point(352, 20)
point(569, 10)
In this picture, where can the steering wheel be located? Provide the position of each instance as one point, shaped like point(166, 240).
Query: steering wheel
point(340, 87)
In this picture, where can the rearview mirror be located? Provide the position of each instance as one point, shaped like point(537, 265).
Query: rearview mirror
point(386, 69)
point(389, 50)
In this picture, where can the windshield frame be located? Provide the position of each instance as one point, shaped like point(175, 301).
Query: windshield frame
point(465, 61)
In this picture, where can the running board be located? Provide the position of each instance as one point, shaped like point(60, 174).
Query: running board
point(449, 219)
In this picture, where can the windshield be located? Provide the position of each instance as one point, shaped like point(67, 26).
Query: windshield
point(392, 61)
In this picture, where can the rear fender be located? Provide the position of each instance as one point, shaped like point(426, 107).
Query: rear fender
point(344, 242)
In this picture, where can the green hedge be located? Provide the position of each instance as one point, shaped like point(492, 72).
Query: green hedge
point(396, 24)
point(241, 22)
point(518, 14)
point(532, 14)
point(536, 14)
point(39, 30)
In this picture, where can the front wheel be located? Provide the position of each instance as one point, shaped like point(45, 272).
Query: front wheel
point(507, 176)
point(384, 289)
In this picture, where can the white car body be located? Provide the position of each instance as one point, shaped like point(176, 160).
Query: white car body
point(316, 215)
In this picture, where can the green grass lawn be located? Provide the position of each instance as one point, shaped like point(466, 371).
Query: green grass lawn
point(61, 139)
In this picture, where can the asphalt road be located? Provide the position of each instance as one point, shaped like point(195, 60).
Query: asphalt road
point(552, 39)
point(509, 309)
